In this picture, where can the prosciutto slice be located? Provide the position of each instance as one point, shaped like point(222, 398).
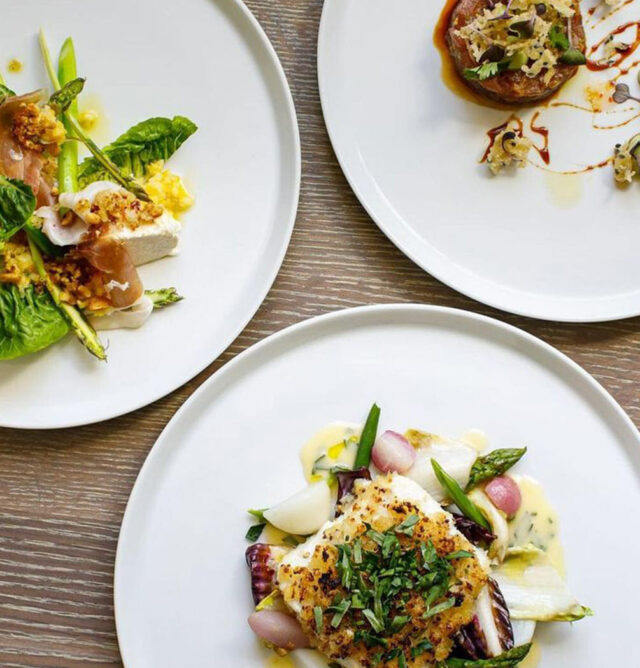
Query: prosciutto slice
point(16, 161)
point(110, 257)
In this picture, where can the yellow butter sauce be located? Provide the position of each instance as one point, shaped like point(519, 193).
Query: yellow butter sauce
point(533, 658)
point(475, 438)
point(94, 120)
point(536, 522)
point(15, 66)
point(336, 444)
point(277, 661)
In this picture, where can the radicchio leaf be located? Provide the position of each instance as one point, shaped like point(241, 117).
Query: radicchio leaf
point(346, 479)
point(471, 641)
point(262, 567)
point(472, 531)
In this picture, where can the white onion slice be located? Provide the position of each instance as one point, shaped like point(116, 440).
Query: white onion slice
point(455, 458)
point(303, 513)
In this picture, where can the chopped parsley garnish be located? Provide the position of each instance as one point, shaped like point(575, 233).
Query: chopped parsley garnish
point(482, 72)
point(253, 533)
point(379, 582)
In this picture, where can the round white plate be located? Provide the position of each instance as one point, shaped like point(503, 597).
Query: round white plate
point(181, 584)
point(208, 60)
point(553, 247)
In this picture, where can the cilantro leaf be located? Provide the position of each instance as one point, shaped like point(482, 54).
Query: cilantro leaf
point(558, 39)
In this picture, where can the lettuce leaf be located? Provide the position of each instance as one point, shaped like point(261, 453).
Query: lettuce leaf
point(17, 204)
point(29, 321)
point(5, 91)
point(144, 143)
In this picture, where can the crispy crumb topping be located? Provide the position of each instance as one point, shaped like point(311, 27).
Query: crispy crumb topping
point(37, 128)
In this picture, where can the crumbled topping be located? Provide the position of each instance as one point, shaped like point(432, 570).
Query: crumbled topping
point(519, 28)
point(625, 166)
point(80, 284)
point(509, 147)
point(118, 207)
point(37, 128)
point(16, 264)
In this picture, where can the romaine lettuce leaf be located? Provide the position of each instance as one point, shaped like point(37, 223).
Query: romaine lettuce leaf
point(534, 589)
point(17, 204)
point(29, 322)
point(146, 142)
point(5, 91)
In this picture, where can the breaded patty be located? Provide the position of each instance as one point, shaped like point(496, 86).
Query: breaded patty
point(376, 582)
point(511, 87)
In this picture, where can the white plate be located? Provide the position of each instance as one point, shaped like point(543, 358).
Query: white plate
point(554, 247)
point(208, 60)
point(181, 585)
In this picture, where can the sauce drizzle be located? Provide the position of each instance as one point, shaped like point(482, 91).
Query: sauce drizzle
point(543, 131)
point(620, 56)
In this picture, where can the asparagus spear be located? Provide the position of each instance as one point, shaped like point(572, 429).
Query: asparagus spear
point(466, 505)
point(125, 181)
point(68, 158)
point(79, 325)
point(367, 439)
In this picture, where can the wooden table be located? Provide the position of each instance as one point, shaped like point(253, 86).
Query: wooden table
point(63, 493)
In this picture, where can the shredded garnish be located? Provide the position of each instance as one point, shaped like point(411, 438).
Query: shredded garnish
point(528, 39)
point(509, 147)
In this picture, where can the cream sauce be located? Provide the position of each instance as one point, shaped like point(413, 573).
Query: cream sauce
point(536, 522)
point(333, 445)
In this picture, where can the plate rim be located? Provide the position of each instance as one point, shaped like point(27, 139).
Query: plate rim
point(291, 119)
point(595, 312)
point(349, 317)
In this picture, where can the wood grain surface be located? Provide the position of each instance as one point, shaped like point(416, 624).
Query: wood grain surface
point(63, 493)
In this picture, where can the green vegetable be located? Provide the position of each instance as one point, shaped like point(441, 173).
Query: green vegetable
point(516, 61)
point(81, 328)
point(29, 321)
point(144, 143)
point(484, 71)
point(453, 489)
point(42, 242)
point(17, 203)
point(494, 464)
point(558, 39)
point(253, 533)
point(573, 57)
point(5, 91)
point(68, 157)
point(258, 514)
point(511, 658)
point(163, 297)
point(367, 439)
point(115, 173)
point(64, 97)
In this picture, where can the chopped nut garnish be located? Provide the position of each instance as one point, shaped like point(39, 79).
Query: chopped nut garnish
point(80, 284)
point(118, 207)
point(37, 128)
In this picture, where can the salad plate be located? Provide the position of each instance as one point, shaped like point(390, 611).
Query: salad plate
point(184, 195)
point(182, 587)
point(414, 138)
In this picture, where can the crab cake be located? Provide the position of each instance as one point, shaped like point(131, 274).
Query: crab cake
point(388, 583)
point(516, 52)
